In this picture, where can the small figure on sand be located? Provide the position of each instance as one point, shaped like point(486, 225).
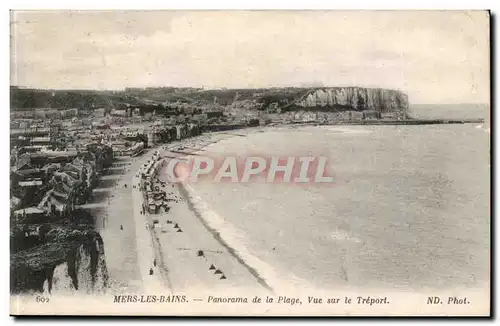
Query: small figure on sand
point(121, 227)
point(154, 262)
point(151, 272)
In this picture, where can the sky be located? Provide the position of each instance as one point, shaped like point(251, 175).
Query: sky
point(433, 56)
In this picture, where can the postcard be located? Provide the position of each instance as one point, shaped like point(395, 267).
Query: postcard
point(250, 163)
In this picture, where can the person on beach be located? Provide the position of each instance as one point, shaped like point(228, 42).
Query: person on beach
point(121, 227)
point(154, 262)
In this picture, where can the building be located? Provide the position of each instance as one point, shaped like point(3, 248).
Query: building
point(399, 115)
point(189, 110)
point(31, 183)
point(371, 114)
point(69, 113)
point(119, 113)
point(136, 149)
point(121, 149)
point(40, 159)
point(99, 113)
point(22, 114)
point(40, 141)
point(23, 125)
point(100, 125)
point(42, 113)
point(305, 116)
point(160, 122)
point(29, 214)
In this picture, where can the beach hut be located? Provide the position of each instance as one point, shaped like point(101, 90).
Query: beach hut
point(152, 208)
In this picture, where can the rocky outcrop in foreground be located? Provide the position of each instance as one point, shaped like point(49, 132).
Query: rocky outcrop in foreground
point(355, 98)
point(69, 260)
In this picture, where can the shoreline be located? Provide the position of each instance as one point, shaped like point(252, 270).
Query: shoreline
point(157, 247)
point(222, 231)
point(179, 249)
point(398, 297)
point(381, 122)
point(129, 271)
point(216, 234)
point(184, 147)
point(129, 252)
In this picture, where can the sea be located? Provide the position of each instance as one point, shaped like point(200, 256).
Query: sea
point(409, 208)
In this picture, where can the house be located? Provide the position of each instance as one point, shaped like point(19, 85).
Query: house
point(134, 150)
point(50, 168)
point(23, 125)
point(31, 214)
point(40, 159)
point(31, 183)
point(23, 162)
point(69, 113)
point(41, 141)
point(42, 113)
point(393, 115)
point(55, 203)
point(371, 114)
point(305, 116)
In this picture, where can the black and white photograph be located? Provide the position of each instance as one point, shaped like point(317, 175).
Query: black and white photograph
point(250, 163)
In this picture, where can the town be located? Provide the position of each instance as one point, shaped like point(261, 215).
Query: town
point(57, 154)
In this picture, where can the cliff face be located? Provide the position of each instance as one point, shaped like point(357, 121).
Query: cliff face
point(355, 98)
point(68, 261)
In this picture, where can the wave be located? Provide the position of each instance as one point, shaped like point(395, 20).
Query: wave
point(345, 130)
point(234, 242)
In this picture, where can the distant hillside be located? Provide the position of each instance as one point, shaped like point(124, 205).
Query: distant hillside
point(21, 99)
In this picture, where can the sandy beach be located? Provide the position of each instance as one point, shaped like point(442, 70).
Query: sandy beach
point(191, 254)
point(188, 254)
point(113, 210)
